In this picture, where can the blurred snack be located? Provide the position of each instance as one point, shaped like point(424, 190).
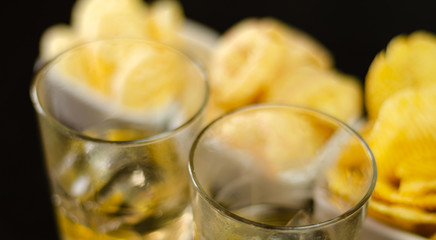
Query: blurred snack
point(97, 19)
point(352, 172)
point(302, 49)
point(265, 60)
point(122, 75)
point(403, 140)
point(408, 218)
point(57, 39)
point(144, 69)
point(401, 132)
point(165, 21)
point(266, 137)
point(326, 90)
point(408, 61)
point(246, 60)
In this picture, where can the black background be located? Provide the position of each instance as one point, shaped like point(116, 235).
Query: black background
point(354, 31)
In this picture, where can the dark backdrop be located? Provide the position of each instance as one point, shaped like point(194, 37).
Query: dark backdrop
point(354, 31)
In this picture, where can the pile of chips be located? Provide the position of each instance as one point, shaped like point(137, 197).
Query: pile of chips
point(97, 19)
point(401, 100)
point(257, 60)
point(401, 131)
point(263, 60)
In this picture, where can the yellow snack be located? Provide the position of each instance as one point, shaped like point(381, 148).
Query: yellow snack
point(135, 77)
point(328, 91)
point(57, 39)
point(142, 80)
point(403, 140)
point(302, 49)
point(165, 21)
point(409, 218)
point(405, 133)
point(254, 53)
point(266, 137)
point(85, 68)
point(409, 61)
point(352, 173)
point(96, 19)
point(247, 58)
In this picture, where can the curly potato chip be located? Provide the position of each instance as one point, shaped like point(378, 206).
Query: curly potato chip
point(389, 193)
point(409, 218)
point(96, 19)
point(405, 133)
point(409, 61)
point(247, 58)
point(165, 20)
point(254, 53)
point(403, 140)
point(302, 49)
point(328, 91)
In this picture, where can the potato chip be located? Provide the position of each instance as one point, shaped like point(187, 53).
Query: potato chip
point(266, 137)
point(409, 218)
point(57, 39)
point(389, 193)
point(328, 91)
point(352, 172)
point(302, 49)
point(247, 58)
point(96, 19)
point(348, 182)
point(403, 140)
point(165, 21)
point(417, 187)
point(409, 61)
point(149, 78)
point(254, 53)
point(85, 68)
point(405, 134)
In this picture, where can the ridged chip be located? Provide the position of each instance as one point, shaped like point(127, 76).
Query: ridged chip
point(247, 58)
point(409, 61)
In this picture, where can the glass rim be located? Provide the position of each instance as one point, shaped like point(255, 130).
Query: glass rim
point(42, 111)
point(224, 211)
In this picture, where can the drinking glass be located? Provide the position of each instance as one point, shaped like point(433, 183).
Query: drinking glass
point(117, 118)
point(279, 172)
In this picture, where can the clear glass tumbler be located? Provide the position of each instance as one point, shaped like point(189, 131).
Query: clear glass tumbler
point(279, 172)
point(117, 118)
